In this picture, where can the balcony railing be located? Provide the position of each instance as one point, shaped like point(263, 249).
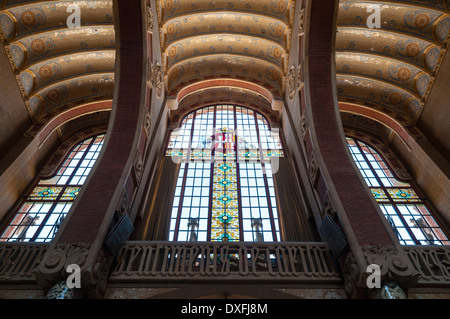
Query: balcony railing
point(293, 262)
point(18, 260)
point(433, 264)
point(217, 261)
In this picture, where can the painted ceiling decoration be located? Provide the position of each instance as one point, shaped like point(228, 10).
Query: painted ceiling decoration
point(218, 51)
point(244, 42)
point(390, 67)
point(59, 67)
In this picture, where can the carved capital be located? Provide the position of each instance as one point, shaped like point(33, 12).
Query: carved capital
point(149, 19)
point(155, 77)
point(290, 82)
point(147, 123)
point(301, 22)
point(303, 125)
point(353, 278)
point(138, 167)
point(52, 268)
point(394, 264)
point(313, 170)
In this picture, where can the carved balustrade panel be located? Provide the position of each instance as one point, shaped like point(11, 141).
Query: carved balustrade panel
point(17, 261)
point(181, 261)
point(432, 262)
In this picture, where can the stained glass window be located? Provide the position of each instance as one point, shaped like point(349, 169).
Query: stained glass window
point(45, 207)
point(225, 189)
point(406, 211)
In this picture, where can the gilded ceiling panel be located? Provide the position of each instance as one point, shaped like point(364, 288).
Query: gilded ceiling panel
point(37, 16)
point(411, 50)
point(279, 9)
point(415, 21)
point(225, 23)
point(83, 89)
point(226, 44)
point(380, 68)
point(240, 67)
point(388, 53)
point(396, 102)
point(59, 65)
point(64, 67)
point(244, 40)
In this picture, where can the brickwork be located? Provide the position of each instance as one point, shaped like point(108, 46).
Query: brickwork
point(94, 201)
point(359, 209)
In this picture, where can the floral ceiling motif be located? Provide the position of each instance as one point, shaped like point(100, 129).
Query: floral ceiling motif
point(245, 40)
point(57, 65)
point(390, 66)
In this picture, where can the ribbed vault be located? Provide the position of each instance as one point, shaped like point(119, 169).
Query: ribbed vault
point(205, 41)
point(59, 67)
point(391, 67)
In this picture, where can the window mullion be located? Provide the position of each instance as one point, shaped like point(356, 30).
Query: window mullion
point(390, 200)
point(211, 177)
point(238, 177)
point(183, 184)
point(266, 184)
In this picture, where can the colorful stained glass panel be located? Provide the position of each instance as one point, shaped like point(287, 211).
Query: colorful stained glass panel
point(403, 194)
point(379, 194)
point(227, 136)
point(409, 217)
point(45, 193)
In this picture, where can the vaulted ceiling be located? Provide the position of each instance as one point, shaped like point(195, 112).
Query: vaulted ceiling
point(59, 68)
point(222, 50)
point(225, 50)
point(389, 68)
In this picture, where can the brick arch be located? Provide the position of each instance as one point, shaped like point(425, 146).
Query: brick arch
point(361, 220)
point(91, 211)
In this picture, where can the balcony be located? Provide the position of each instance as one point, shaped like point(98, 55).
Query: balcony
point(18, 260)
point(232, 262)
point(433, 264)
point(204, 262)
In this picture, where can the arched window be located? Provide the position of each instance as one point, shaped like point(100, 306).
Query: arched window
point(406, 211)
point(43, 209)
point(225, 189)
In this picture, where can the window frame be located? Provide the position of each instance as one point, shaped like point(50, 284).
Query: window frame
point(395, 203)
point(40, 182)
point(274, 222)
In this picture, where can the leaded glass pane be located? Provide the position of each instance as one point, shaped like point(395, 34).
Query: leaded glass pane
point(237, 201)
point(42, 212)
point(406, 212)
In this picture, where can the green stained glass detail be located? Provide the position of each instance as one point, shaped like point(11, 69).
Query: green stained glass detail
point(200, 155)
point(379, 194)
point(403, 194)
point(70, 193)
point(273, 153)
point(224, 167)
point(45, 193)
point(225, 214)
